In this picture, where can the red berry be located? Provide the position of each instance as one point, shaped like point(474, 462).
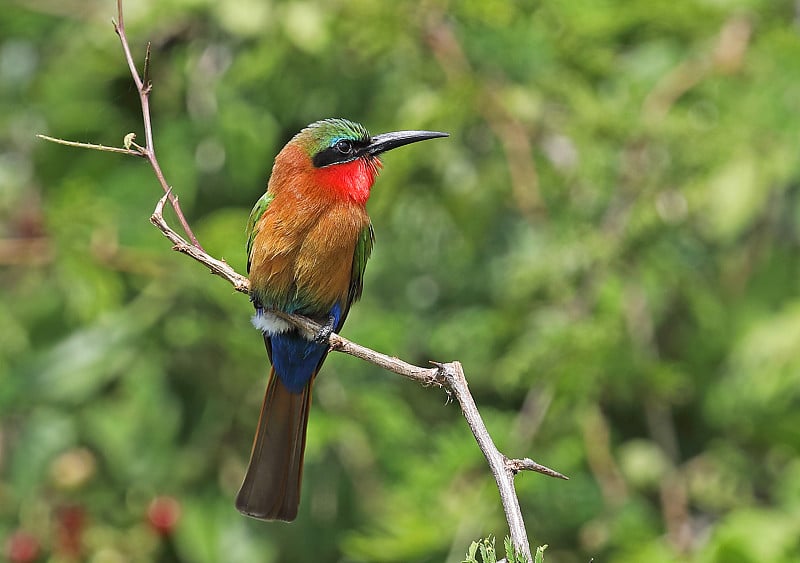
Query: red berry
point(163, 514)
point(22, 547)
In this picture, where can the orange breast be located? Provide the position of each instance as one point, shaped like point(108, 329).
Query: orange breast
point(302, 255)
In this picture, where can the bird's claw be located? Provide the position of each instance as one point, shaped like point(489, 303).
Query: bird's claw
point(325, 331)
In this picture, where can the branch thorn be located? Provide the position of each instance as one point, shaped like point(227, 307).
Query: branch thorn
point(527, 464)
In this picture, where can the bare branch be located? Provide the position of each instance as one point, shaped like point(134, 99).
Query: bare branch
point(457, 383)
point(447, 375)
point(217, 267)
point(149, 151)
point(91, 146)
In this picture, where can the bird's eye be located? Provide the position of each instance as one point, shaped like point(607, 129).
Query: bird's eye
point(344, 146)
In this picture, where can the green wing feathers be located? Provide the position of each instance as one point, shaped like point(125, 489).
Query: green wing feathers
point(366, 239)
point(258, 210)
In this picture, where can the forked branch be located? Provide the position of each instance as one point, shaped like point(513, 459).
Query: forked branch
point(447, 375)
point(144, 87)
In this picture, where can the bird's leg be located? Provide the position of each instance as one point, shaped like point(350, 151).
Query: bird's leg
point(325, 330)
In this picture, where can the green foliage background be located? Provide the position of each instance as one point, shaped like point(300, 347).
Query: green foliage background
point(608, 242)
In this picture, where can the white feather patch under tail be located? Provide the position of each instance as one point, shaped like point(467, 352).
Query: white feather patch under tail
point(270, 324)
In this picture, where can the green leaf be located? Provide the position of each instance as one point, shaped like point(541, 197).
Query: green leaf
point(487, 552)
point(510, 555)
point(473, 549)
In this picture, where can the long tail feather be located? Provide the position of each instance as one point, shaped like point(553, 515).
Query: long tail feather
point(271, 487)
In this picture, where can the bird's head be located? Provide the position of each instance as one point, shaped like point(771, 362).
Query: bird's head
point(342, 157)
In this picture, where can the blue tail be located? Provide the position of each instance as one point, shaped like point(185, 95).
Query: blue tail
point(296, 359)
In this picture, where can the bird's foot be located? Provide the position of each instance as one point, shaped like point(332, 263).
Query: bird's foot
point(325, 331)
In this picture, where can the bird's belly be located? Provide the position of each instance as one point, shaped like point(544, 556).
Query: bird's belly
point(323, 269)
point(307, 271)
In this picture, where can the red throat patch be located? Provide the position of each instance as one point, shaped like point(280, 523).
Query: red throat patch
point(350, 180)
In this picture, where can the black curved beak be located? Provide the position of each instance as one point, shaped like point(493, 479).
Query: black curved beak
point(388, 141)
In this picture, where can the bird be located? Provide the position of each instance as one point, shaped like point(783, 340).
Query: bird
point(308, 241)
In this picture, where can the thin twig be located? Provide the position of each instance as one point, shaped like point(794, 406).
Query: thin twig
point(92, 146)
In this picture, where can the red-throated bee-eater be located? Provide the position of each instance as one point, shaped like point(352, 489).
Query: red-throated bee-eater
point(308, 241)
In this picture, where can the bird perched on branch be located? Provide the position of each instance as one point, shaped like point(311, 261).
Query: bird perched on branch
point(308, 241)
